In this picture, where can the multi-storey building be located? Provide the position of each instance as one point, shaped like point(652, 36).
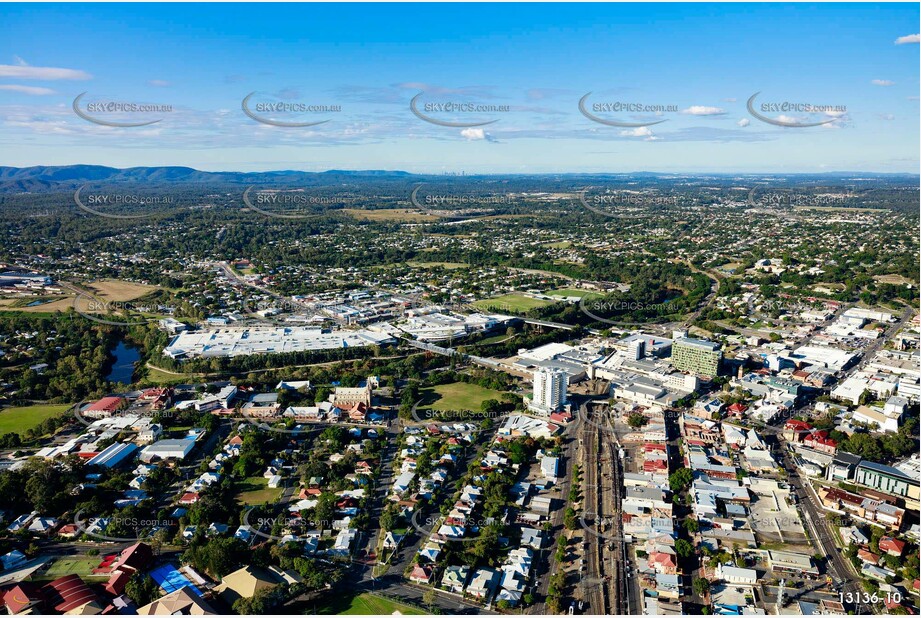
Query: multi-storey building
point(697, 356)
point(549, 391)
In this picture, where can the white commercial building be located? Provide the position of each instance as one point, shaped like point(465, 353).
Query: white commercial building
point(167, 449)
point(243, 340)
point(735, 575)
point(549, 391)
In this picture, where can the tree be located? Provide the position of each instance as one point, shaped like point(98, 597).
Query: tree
point(429, 598)
point(569, 519)
point(691, 525)
point(701, 586)
point(218, 556)
point(683, 548)
point(389, 519)
point(142, 589)
point(636, 420)
point(680, 479)
point(325, 511)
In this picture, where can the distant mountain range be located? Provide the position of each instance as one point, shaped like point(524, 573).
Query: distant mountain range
point(48, 178)
point(43, 178)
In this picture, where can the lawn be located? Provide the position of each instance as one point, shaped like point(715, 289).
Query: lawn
point(447, 265)
point(77, 565)
point(21, 419)
point(574, 292)
point(60, 303)
point(456, 396)
point(366, 605)
point(156, 376)
point(389, 214)
point(112, 289)
point(255, 490)
point(512, 303)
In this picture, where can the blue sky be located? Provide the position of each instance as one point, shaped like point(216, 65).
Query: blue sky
point(536, 60)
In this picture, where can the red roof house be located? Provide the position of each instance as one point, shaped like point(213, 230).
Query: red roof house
point(21, 597)
point(891, 546)
point(189, 497)
point(117, 582)
point(135, 558)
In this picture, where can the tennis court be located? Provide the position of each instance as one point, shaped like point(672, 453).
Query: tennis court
point(170, 579)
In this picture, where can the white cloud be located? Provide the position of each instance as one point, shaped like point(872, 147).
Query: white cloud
point(36, 90)
point(637, 132)
point(703, 110)
point(882, 82)
point(887, 116)
point(473, 134)
point(834, 114)
point(730, 99)
point(20, 62)
point(159, 83)
point(910, 38)
point(27, 72)
point(744, 122)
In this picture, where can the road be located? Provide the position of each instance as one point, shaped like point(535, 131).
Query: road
point(819, 528)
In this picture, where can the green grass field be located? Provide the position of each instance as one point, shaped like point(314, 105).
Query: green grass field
point(366, 605)
point(447, 265)
point(81, 565)
point(456, 396)
point(19, 420)
point(255, 490)
point(513, 303)
point(574, 292)
point(155, 376)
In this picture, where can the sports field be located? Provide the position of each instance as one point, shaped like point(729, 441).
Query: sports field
point(512, 303)
point(70, 565)
point(21, 419)
point(389, 214)
point(574, 292)
point(365, 605)
point(456, 396)
point(447, 265)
